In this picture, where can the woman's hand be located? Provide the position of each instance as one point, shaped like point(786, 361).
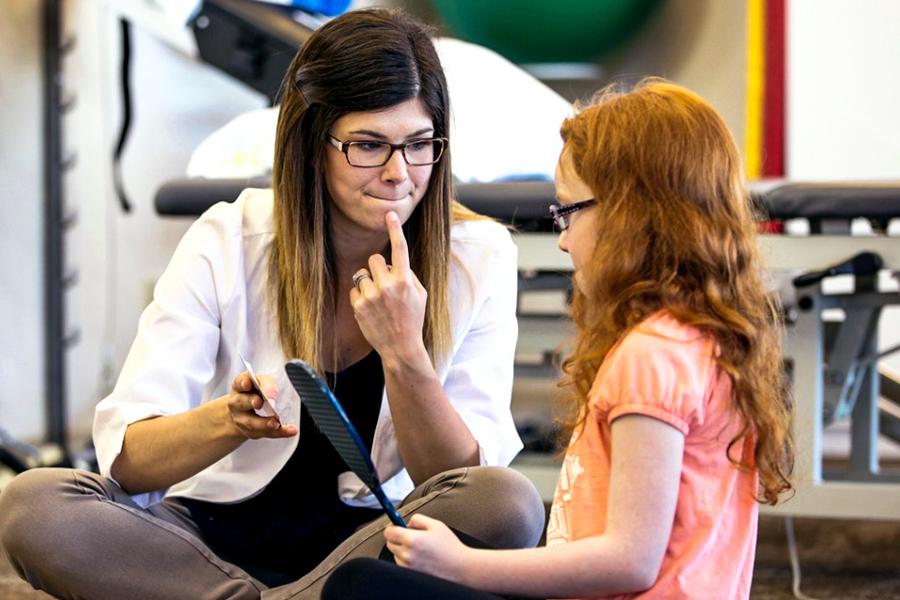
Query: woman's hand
point(203, 435)
point(389, 301)
point(242, 402)
point(429, 546)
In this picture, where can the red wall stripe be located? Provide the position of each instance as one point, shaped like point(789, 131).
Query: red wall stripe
point(774, 90)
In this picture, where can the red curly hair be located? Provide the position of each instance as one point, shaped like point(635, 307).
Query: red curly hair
point(668, 173)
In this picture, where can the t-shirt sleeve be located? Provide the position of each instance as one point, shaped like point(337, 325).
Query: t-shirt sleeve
point(657, 374)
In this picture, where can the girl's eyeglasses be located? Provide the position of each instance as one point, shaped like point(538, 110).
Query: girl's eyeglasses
point(560, 213)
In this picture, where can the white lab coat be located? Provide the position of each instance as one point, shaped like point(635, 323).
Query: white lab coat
point(210, 305)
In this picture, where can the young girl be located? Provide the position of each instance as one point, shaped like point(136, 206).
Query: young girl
point(682, 421)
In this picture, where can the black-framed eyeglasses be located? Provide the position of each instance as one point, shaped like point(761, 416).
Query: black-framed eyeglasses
point(371, 153)
point(560, 213)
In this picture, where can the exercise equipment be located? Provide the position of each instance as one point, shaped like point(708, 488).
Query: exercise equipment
point(538, 31)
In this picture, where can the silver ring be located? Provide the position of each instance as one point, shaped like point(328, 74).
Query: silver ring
point(359, 276)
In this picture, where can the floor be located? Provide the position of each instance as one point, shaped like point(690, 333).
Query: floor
point(838, 559)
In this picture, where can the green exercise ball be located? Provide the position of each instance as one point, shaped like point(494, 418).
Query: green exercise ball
point(533, 31)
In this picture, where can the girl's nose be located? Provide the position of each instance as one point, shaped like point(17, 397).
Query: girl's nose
point(562, 242)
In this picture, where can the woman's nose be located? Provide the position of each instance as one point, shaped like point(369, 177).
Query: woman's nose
point(395, 169)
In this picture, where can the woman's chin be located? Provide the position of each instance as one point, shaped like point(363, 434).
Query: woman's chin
point(403, 208)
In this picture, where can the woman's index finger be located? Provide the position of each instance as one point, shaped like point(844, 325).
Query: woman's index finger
point(399, 250)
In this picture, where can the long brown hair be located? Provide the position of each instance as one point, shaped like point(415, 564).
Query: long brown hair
point(677, 232)
point(361, 61)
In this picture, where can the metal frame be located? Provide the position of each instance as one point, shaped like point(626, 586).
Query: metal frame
point(858, 492)
point(54, 227)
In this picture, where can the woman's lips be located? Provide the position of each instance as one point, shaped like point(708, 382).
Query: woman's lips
point(377, 197)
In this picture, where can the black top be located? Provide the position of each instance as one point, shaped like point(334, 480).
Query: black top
point(298, 519)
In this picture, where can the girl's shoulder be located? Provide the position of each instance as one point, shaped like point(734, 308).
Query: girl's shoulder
point(662, 343)
point(661, 367)
point(663, 327)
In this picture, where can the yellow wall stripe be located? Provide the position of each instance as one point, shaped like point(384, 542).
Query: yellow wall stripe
point(756, 23)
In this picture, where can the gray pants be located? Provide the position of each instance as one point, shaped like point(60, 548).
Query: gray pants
point(75, 534)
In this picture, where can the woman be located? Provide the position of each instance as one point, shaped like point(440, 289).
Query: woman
point(681, 420)
point(359, 262)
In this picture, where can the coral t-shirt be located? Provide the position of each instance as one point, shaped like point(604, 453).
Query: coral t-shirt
point(666, 370)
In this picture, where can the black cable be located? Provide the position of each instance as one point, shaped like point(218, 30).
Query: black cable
point(125, 128)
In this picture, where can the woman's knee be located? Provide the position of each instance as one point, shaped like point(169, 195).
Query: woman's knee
point(512, 502)
point(495, 505)
point(27, 507)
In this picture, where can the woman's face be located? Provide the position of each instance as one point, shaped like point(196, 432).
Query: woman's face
point(362, 196)
point(579, 239)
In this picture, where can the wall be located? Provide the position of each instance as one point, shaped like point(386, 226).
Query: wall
point(21, 228)
point(700, 44)
point(843, 90)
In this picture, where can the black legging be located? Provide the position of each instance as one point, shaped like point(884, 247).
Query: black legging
point(372, 579)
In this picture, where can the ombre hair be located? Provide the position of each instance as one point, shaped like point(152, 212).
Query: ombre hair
point(361, 61)
point(677, 231)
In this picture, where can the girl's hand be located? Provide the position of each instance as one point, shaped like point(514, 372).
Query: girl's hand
point(242, 401)
point(389, 301)
point(429, 546)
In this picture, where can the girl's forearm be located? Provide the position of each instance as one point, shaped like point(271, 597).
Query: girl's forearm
point(596, 566)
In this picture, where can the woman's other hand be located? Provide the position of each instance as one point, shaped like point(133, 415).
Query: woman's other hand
point(203, 435)
point(429, 546)
point(389, 303)
point(242, 403)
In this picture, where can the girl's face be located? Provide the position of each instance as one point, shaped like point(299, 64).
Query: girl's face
point(579, 238)
point(362, 196)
